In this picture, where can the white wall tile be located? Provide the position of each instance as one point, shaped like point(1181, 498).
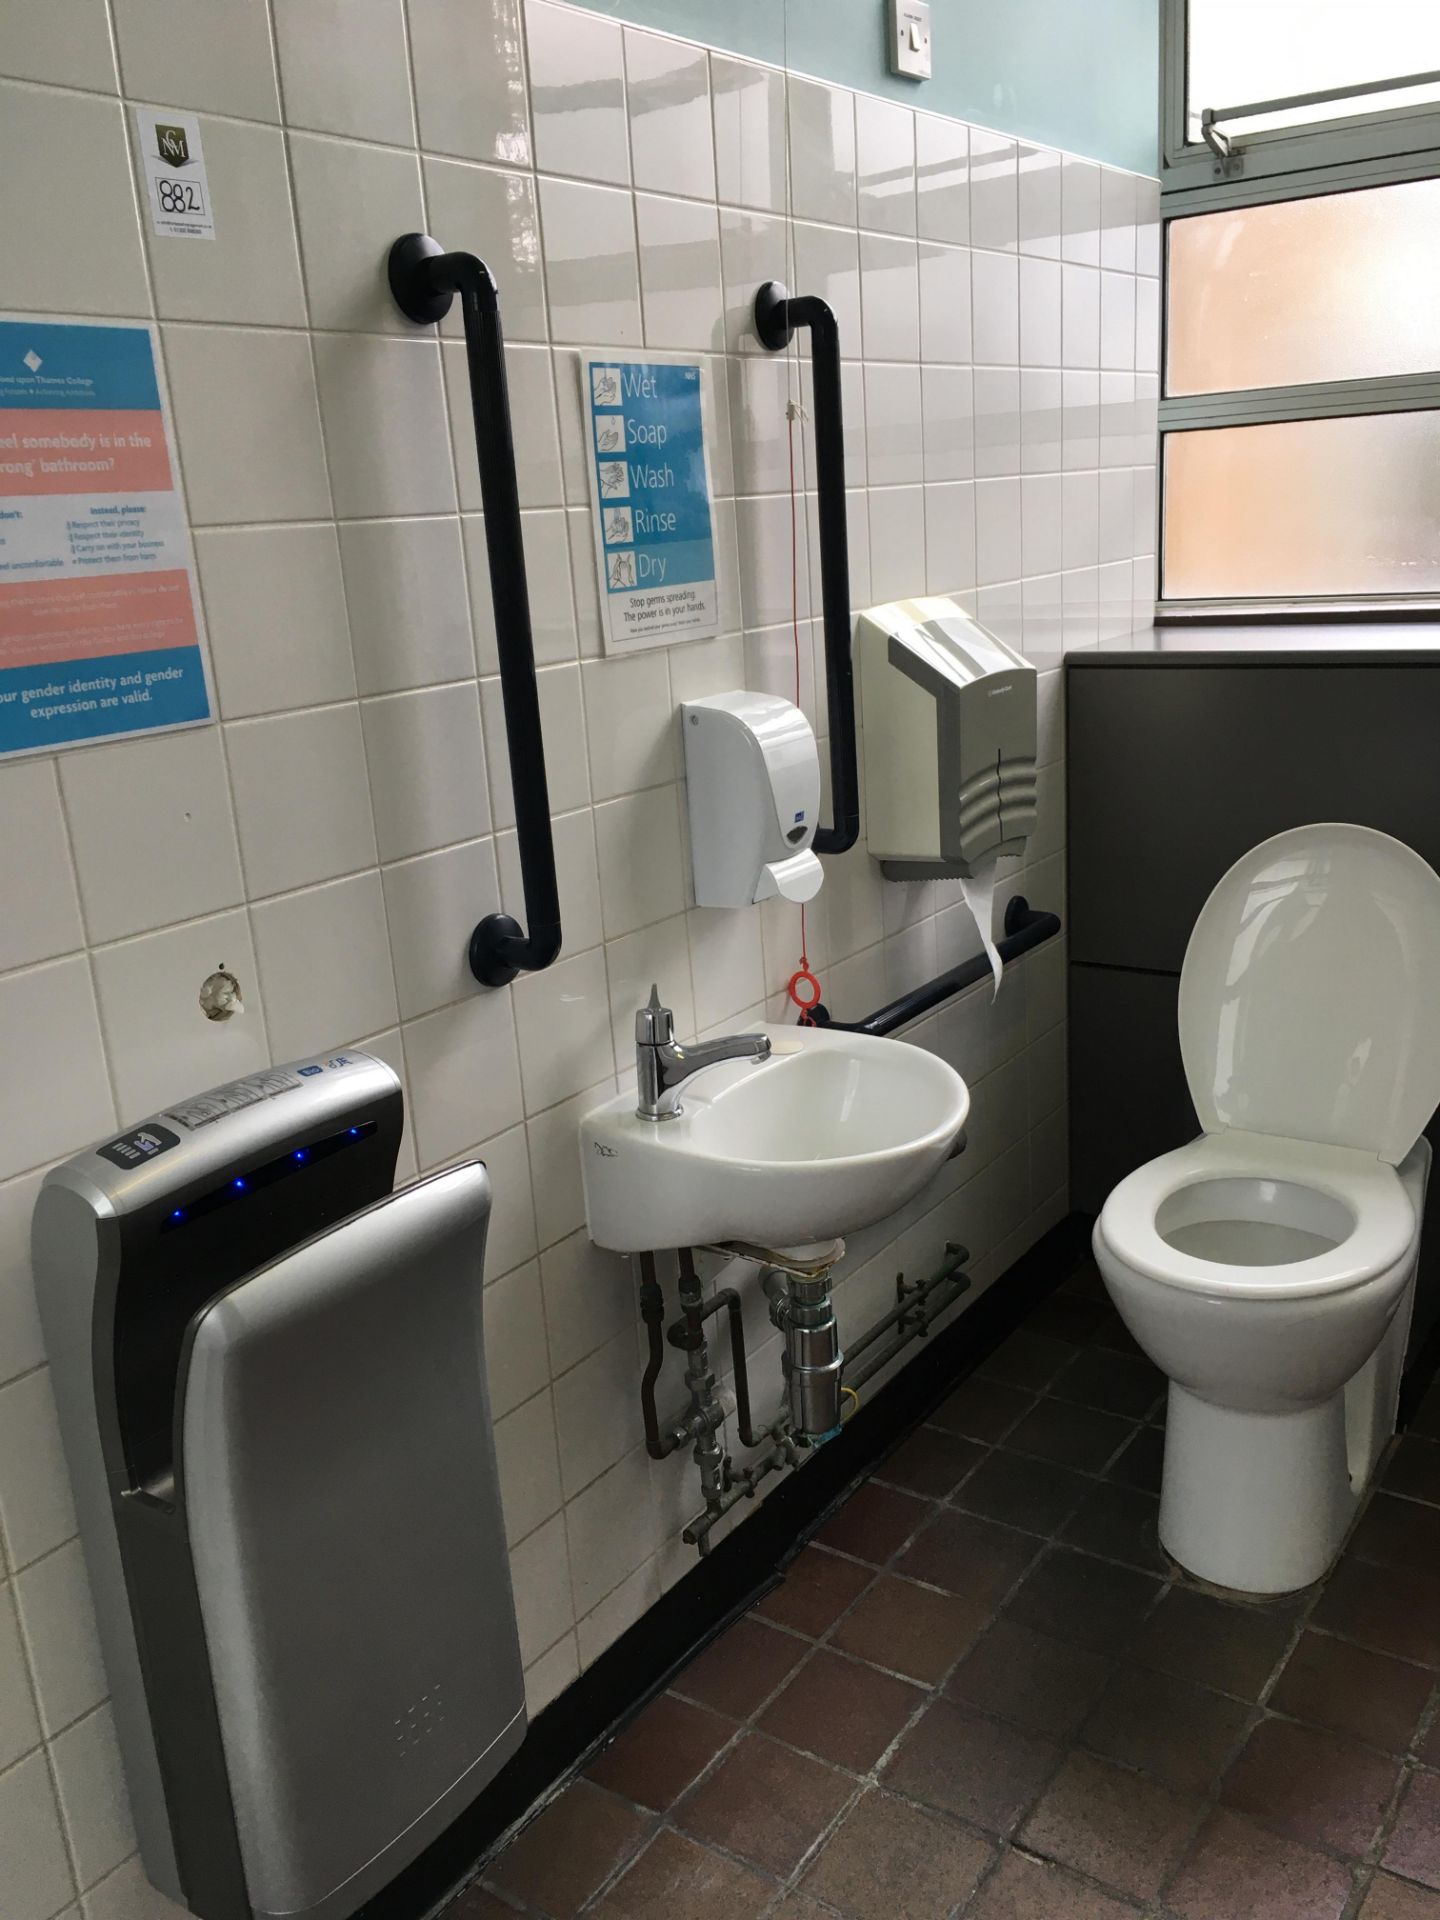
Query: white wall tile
point(590, 265)
point(464, 1075)
point(641, 873)
point(575, 874)
point(727, 963)
point(540, 1577)
point(1041, 420)
point(70, 150)
point(562, 727)
point(949, 537)
point(942, 177)
point(161, 1045)
point(680, 272)
point(325, 970)
point(612, 1529)
point(434, 903)
point(1080, 210)
point(619, 1610)
point(945, 332)
point(997, 421)
point(383, 404)
point(997, 531)
point(994, 191)
point(301, 797)
point(250, 270)
point(545, 535)
point(495, 215)
point(19, 1724)
point(57, 1617)
point(409, 605)
point(885, 165)
point(995, 283)
point(1080, 520)
point(275, 612)
point(510, 1239)
point(752, 246)
point(1080, 315)
point(37, 886)
point(822, 152)
point(21, 1345)
point(597, 1413)
point(66, 42)
point(890, 297)
point(827, 262)
point(1147, 326)
point(1118, 209)
point(93, 1802)
point(37, 1513)
point(186, 861)
point(353, 199)
point(667, 84)
point(427, 769)
point(1040, 512)
point(529, 1468)
point(1040, 312)
point(897, 542)
point(562, 1020)
point(127, 1895)
point(577, 93)
point(1117, 320)
point(549, 1676)
point(470, 79)
point(631, 723)
point(590, 1297)
point(248, 422)
point(892, 425)
point(37, 1871)
point(344, 67)
point(555, 1173)
point(50, 1038)
point(948, 419)
point(749, 103)
point(218, 63)
point(1041, 221)
point(655, 956)
point(516, 1359)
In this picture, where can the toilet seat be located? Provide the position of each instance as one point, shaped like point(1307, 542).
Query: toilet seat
point(1381, 1231)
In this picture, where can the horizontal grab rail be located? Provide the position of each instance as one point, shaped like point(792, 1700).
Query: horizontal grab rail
point(1025, 929)
point(776, 317)
point(424, 280)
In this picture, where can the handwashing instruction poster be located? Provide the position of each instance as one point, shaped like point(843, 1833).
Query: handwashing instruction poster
point(650, 483)
point(99, 634)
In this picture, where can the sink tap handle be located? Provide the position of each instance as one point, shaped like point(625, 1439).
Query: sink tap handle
point(654, 1024)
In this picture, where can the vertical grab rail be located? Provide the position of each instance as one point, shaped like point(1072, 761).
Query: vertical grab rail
point(777, 315)
point(424, 279)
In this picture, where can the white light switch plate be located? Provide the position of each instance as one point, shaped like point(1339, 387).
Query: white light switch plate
point(909, 38)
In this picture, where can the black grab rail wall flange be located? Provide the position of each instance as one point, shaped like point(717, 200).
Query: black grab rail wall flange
point(777, 315)
point(424, 281)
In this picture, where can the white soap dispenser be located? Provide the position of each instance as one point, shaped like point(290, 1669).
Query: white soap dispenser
point(752, 772)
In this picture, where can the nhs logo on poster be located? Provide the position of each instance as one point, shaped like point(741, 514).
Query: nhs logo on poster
point(651, 500)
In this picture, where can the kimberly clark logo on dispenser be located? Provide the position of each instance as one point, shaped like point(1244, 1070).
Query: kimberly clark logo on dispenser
point(650, 486)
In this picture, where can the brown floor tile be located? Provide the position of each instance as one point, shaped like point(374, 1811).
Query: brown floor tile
point(567, 1851)
point(1230, 1647)
point(962, 1763)
point(1397, 1533)
point(888, 1861)
point(972, 1557)
point(1385, 1608)
point(931, 1462)
point(1038, 1683)
point(799, 1906)
point(1035, 1495)
point(1351, 1690)
point(674, 1879)
point(1027, 1359)
point(1142, 1462)
point(1118, 1828)
point(982, 1409)
point(910, 1629)
point(1414, 1469)
point(1181, 1735)
point(1119, 1523)
point(765, 1803)
point(1237, 1869)
point(1073, 1436)
point(1414, 1845)
point(1120, 1383)
point(874, 1522)
point(478, 1903)
point(1391, 1899)
point(817, 1588)
point(846, 1713)
point(1317, 1787)
point(1024, 1889)
point(1428, 1748)
point(1113, 1334)
point(1089, 1602)
point(740, 1669)
point(662, 1751)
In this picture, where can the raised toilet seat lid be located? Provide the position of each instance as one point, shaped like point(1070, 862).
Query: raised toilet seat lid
point(1310, 993)
point(1372, 1194)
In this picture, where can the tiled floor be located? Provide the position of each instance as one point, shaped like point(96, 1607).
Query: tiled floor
point(981, 1692)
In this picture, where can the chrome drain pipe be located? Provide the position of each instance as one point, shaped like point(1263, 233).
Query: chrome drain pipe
point(803, 1308)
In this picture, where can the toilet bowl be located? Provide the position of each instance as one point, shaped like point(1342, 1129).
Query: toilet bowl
point(1268, 1267)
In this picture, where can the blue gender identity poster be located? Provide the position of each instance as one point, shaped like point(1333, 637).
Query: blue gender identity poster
point(650, 483)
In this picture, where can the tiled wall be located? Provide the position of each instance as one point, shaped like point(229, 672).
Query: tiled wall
point(335, 838)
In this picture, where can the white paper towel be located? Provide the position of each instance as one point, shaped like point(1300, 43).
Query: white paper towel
point(979, 892)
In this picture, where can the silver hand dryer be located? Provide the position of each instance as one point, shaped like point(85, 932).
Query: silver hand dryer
point(270, 1376)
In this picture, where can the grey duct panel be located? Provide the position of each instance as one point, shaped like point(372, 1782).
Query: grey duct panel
point(338, 1470)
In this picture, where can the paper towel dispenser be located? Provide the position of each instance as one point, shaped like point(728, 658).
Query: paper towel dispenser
point(752, 780)
point(949, 732)
point(270, 1377)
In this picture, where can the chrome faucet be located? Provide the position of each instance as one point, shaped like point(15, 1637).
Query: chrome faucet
point(662, 1066)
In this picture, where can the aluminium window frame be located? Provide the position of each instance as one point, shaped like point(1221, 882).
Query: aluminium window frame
point(1382, 148)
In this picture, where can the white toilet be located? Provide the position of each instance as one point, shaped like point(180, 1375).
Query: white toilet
point(1268, 1267)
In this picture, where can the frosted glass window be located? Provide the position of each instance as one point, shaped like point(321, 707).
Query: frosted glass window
point(1342, 287)
point(1241, 50)
point(1337, 507)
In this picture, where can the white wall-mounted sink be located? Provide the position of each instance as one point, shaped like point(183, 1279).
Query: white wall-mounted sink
point(832, 1132)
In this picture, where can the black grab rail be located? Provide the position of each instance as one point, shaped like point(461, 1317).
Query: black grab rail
point(424, 279)
point(776, 317)
point(1025, 928)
